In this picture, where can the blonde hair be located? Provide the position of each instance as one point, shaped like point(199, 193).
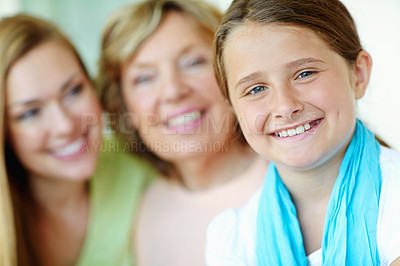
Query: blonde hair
point(123, 34)
point(19, 35)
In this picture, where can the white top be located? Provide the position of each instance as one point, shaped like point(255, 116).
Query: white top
point(172, 224)
point(231, 235)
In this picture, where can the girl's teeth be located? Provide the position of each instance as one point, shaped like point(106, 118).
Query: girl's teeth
point(184, 119)
point(294, 131)
point(300, 130)
point(70, 148)
point(291, 132)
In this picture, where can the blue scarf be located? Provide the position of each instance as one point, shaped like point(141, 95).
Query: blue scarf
point(349, 236)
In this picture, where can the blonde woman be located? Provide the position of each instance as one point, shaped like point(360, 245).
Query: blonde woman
point(157, 80)
point(74, 194)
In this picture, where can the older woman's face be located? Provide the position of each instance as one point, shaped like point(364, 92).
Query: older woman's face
point(170, 89)
point(53, 114)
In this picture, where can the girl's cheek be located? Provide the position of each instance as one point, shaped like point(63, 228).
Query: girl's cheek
point(260, 123)
point(252, 122)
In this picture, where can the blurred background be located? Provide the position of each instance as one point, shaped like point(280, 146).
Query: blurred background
point(378, 23)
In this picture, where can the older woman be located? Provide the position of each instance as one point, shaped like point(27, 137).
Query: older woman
point(157, 79)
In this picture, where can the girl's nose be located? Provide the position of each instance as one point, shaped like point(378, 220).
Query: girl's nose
point(286, 103)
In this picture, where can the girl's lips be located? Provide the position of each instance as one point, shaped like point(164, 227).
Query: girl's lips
point(296, 130)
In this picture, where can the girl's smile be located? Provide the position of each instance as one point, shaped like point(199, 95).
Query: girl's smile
point(297, 132)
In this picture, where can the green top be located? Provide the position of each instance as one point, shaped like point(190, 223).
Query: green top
point(115, 191)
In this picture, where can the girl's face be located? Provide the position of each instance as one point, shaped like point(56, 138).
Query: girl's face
point(53, 114)
point(294, 96)
point(170, 89)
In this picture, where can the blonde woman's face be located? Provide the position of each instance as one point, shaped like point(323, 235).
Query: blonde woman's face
point(53, 114)
point(170, 89)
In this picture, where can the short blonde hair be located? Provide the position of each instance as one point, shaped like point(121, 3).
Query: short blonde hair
point(123, 34)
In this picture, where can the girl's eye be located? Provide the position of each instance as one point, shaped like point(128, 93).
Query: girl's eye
point(257, 89)
point(31, 113)
point(305, 74)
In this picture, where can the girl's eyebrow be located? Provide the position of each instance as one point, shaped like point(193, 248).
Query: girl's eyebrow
point(248, 78)
point(301, 62)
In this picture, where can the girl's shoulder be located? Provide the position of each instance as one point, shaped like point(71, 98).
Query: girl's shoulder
point(232, 233)
point(388, 235)
point(389, 161)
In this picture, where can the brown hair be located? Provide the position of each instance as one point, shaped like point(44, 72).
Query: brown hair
point(19, 35)
point(329, 19)
point(123, 34)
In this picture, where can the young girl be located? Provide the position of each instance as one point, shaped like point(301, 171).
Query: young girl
point(293, 71)
point(74, 195)
point(156, 70)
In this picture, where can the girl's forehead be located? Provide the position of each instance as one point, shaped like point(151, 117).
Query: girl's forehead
point(272, 36)
point(255, 30)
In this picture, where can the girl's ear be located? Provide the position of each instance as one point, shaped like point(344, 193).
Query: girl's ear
point(362, 73)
